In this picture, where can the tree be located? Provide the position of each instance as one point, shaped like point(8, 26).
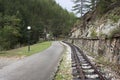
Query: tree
point(9, 34)
point(83, 6)
point(16, 15)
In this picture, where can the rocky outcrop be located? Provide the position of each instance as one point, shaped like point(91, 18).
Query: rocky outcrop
point(100, 36)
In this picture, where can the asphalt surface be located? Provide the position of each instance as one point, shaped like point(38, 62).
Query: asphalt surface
point(40, 66)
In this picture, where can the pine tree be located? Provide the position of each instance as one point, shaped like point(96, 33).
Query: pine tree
point(83, 6)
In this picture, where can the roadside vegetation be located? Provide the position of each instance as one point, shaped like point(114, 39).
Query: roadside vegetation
point(23, 51)
point(44, 17)
point(64, 70)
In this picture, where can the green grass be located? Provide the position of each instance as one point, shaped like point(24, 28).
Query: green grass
point(23, 51)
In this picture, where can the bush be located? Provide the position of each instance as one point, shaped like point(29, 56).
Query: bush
point(8, 37)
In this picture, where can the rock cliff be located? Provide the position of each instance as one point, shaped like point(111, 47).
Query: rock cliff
point(99, 35)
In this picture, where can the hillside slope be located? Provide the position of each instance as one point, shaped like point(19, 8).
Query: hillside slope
point(99, 35)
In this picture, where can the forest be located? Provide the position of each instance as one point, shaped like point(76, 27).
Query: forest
point(44, 16)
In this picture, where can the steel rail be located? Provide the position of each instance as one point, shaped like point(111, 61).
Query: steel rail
point(78, 62)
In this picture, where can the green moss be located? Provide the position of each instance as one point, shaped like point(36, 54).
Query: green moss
point(93, 33)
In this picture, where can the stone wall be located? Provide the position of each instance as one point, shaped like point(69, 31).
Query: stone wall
point(109, 48)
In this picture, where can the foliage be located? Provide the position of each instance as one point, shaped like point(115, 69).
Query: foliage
point(41, 15)
point(115, 18)
point(103, 5)
point(83, 6)
point(23, 51)
point(93, 33)
point(9, 34)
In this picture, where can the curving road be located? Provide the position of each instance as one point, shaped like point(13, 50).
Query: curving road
point(40, 66)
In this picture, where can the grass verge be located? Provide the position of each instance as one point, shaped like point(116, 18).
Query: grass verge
point(64, 69)
point(23, 51)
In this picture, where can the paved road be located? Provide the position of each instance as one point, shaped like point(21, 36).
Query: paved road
point(36, 67)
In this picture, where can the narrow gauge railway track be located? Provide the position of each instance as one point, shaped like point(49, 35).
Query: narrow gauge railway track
point(82, 67)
